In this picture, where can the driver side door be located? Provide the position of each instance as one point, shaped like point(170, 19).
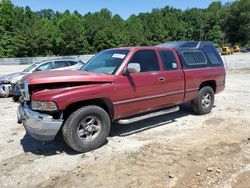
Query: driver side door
point(137, 92)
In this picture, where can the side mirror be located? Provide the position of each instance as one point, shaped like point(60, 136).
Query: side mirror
point(133, 68)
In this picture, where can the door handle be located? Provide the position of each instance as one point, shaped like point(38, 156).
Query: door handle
point(162, 79)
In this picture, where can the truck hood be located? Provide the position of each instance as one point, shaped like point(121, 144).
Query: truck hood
point(47, 77)
point(12, 78)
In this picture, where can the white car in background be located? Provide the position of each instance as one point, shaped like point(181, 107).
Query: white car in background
point(8, 82)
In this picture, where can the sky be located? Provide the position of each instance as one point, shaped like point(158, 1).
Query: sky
point(123, 7)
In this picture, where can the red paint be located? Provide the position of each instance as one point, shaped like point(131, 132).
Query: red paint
point(46, 77)
point(131, 94)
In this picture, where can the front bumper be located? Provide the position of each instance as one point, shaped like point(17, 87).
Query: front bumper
point(39, 126)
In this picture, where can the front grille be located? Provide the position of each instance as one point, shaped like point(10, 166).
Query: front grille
point(24, 89)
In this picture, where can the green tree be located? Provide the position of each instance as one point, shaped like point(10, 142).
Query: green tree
point(6, 28)
point(24, 32)
point(72, 35)
point(118, 27)
point(99, 26)
point(216, 35)
point(238, 22)
point(154, 31)
point(134, 31)
point(195, 20)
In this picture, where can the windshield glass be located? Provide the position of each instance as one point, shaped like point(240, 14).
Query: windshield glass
point(107, 62)
point(30, 68)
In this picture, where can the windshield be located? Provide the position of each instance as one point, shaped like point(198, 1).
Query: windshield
point(30, 68)
point(107, 62)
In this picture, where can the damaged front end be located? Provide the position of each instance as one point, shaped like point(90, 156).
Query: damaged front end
point(8, 83)
point(38, 124)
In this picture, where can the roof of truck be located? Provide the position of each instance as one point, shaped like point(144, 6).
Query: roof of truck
point(133, 47)
point(183, 44)
point(171, 44)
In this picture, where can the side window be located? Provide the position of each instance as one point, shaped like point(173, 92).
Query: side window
point(212, 54)
point(72, 63)
point(61, 64)
point(199, 58)
point(168, 59)
point(45, 66)
point(147, 60)
point(189, 57)
point(194, 57)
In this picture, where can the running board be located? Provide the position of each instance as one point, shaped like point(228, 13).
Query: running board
point(147, 116)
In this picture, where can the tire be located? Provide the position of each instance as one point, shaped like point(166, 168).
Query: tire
point(84, 134)
point(15, 98)
point(204, 103)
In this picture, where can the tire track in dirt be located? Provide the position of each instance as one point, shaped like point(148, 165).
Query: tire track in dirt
point(145, 168)
point(175, 163)
point(10, 164)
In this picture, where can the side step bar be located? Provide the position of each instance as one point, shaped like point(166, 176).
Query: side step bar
point(147, 116)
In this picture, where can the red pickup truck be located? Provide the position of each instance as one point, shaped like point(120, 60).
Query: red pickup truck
point(121, 85)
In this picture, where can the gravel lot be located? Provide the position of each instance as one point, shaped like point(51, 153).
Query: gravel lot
point(177, 150)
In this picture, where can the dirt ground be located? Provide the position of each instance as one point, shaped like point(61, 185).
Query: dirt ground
point(176, 150)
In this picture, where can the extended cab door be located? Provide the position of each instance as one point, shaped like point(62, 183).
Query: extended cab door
point(139, 92)
point(172, 76)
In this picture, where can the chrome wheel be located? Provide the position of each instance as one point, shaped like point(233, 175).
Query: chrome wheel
point(89, 128)
point(206, 100)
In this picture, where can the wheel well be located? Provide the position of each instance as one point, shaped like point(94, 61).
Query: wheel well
point(210, 83)
point(106, 104)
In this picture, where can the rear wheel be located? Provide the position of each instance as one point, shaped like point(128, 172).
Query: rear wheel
point(204, 103)
point(87, 128)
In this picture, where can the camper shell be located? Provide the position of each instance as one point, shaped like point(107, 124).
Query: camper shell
point(195, 54)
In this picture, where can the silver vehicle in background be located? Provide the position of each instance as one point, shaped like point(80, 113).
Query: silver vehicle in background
point(8, 82)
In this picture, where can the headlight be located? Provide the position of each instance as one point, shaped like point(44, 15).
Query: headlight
point(44, 106)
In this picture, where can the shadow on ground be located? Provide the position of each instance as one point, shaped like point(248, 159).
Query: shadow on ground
point(58, 145)
point(54, 147)
point(137, 127)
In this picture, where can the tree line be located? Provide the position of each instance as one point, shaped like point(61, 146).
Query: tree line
point(24, 32)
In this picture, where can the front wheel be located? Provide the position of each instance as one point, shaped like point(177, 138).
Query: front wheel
point(87, 128)
point(204, 103)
